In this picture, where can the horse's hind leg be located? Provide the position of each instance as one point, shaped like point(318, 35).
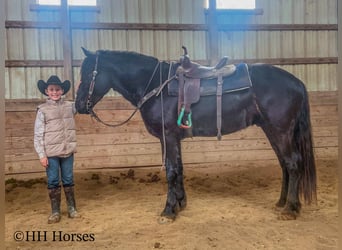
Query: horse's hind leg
point(289, 159)
point(292, 206)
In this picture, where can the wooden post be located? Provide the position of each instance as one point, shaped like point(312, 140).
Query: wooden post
point(67, 48)
point(339, 87)
point(213, 33)
point(3, 118)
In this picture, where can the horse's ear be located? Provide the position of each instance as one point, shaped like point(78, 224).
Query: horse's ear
point(87, 52)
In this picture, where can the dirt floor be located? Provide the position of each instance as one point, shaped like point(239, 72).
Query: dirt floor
point(228, 208)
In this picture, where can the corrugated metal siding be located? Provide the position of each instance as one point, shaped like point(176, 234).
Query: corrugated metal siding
point(297, 12)
point(46, 44)
point(288, 44)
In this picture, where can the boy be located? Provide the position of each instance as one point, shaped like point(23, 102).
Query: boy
point(55, 144)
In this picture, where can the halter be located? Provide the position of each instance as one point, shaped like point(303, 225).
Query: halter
point(156, 91)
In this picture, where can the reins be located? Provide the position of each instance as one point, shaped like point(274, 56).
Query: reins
point(95, 116)
point(146, 97)
point(154, 92)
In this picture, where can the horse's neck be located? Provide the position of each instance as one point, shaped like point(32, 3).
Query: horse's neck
point(135, 86)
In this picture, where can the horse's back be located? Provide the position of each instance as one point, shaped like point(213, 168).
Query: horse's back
point(271, 76)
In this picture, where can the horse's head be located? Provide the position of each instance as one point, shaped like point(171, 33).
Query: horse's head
point(128, 73)
point(94, 84)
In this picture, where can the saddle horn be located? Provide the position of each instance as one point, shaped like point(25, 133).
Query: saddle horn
point(87, 52)
point(185, 50)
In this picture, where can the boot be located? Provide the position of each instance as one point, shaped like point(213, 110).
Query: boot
point(70, 199)
point(55, 198)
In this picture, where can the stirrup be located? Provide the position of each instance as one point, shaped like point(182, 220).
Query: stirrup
point(180, 118)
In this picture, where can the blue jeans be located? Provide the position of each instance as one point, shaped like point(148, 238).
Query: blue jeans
point(60, 165)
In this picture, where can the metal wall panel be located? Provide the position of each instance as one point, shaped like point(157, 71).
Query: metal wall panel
point(15, 47)
point(26, 79)
point(47, 43)
point(316, 77)
point(187, 11)
point(297, 12)
point(13, 10)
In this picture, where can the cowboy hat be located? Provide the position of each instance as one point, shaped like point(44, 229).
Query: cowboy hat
point(55, 81)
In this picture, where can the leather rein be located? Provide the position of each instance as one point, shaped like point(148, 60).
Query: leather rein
point(146, 97)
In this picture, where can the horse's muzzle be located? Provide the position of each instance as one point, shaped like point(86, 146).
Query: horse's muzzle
point(81, 107)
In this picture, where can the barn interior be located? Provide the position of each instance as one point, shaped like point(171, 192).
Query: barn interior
point(299, 36)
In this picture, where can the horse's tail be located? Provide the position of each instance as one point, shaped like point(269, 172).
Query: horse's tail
point(307, 166)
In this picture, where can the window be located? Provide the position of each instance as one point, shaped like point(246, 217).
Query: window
point(70, 2)
point(234, 4)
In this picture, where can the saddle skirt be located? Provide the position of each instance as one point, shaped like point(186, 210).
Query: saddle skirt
point(238, 80)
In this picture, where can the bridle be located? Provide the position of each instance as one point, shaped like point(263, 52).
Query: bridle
point(156, 91)
point(89, 104)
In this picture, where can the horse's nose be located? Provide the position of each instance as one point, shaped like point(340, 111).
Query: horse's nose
point(80, 106)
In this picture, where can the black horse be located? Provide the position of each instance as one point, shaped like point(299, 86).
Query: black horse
point(277, 102)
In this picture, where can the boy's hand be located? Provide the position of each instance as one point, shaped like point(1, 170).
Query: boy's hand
point(44, 161)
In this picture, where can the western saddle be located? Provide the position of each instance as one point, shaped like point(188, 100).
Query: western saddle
point(194, 70)
point(189, 75)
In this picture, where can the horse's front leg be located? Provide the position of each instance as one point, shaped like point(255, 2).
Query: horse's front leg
point(176, 197)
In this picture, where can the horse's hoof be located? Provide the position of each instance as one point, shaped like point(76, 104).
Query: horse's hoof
point(287, 215)
point(182, 204)
point(279, 205)
point(278, 208)
point(165, 220)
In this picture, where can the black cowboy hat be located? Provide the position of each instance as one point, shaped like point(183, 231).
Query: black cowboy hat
point(55, 81)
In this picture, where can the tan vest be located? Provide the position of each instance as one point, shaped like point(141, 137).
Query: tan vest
point(60, 130)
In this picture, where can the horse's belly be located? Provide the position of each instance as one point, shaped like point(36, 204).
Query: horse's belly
point(206, 125)
point(236, 114)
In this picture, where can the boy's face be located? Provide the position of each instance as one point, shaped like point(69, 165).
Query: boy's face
point(54, 92)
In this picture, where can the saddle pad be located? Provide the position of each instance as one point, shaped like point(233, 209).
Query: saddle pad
point(239, 80)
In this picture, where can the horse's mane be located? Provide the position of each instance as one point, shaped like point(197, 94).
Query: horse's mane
point(123, 53)
point(89, 61)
